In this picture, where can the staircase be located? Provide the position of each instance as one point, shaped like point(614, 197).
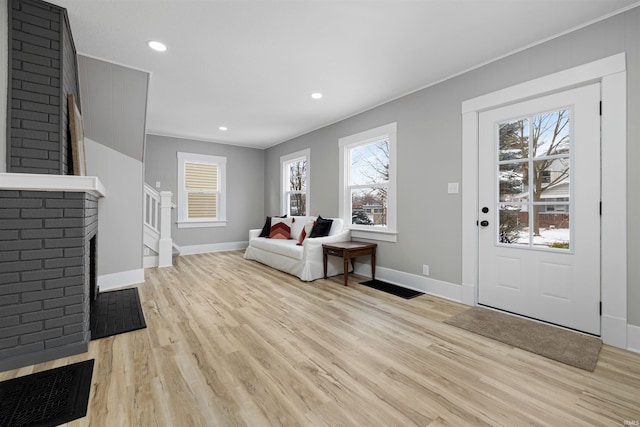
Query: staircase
point(158, 246)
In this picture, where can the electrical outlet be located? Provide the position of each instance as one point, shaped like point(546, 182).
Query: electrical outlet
point(157, 184)
point(425, 269)
point(453, 187)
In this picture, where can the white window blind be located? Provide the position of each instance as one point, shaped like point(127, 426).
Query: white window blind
point(201, 190)
point(201, 181)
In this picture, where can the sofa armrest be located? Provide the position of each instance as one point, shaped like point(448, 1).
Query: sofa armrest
point(254, 233)
point(313, 246)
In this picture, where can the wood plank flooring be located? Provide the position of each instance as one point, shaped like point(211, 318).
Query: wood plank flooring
point(231, 342)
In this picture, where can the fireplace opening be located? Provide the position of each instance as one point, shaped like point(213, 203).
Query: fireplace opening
point(93, 270)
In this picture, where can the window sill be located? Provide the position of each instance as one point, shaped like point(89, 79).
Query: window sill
point(383, 236)
point(201, 224)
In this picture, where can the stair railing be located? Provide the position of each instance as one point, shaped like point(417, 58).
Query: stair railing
point(151, 208)
point(157, 216)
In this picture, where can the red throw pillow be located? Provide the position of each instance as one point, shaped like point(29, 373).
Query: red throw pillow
point(306, 230)
point(280, 228)
point(266, 228)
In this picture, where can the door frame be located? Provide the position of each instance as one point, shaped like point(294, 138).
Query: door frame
point(611, 73)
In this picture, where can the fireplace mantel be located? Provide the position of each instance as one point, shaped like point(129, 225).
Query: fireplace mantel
point(43, 182)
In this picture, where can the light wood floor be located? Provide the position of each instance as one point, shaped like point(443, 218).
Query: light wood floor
point(231, 342)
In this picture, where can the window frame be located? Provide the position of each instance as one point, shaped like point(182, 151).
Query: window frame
point(284, 191)
point(389, 232)
point(183, 220)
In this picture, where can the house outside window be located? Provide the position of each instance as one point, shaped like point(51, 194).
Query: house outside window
point(201, 190)
point(368, 183)
point(295, 173)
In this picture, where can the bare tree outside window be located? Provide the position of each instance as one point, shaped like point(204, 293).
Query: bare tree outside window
point(297, 171)
point(369, 178)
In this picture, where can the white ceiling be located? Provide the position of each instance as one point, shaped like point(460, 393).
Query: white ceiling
point(252, 65)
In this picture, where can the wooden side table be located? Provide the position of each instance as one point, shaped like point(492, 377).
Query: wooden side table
point(348, 251)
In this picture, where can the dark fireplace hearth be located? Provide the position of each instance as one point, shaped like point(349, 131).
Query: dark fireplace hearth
point(93, 270)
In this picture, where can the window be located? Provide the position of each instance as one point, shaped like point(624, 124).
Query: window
point(294, 172)
point(201, 190)
point(368, 183)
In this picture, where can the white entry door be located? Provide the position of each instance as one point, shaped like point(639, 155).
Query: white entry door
point(539, 201)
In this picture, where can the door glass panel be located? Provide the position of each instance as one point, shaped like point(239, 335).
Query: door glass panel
point(514, 140)
point(551, 226)
point(514, 182)
point(551, 179)
point(534, 176)
point(514, 225)
point(550, 134)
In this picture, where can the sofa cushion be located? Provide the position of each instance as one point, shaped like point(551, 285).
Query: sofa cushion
point(280, 228)
point(266, 228)
point(322, 227)
point(287, 248)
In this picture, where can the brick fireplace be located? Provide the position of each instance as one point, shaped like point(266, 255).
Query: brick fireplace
point(47, 268)
point(48, 217)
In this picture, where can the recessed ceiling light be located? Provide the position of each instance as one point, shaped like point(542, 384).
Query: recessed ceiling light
point(316, 95)
point(155, 45)
point(223, 128)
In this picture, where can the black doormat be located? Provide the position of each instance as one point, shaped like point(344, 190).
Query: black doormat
point(116, 312)
point(47, 398)
point(392, 289)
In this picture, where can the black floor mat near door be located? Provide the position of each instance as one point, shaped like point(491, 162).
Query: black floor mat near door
point(48, 398)
point(389, 288)
point(116, 312)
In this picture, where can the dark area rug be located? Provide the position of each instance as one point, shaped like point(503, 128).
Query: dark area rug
point(568, 347)
point(46, 399)
point(389, 288)
point(116, 312)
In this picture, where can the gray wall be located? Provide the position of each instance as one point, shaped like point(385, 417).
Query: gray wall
point(114, 100)
point(120, 225)
point(114, 105)
point(245, 192)
point(430, 150)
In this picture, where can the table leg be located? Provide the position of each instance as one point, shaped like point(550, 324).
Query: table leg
point(373, 266)
point(324, 262)
point(346, 271)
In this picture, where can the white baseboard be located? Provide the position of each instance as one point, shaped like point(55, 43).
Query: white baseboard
point(121, 279)
point(213, 247)
point(430, 286)
point(150, 261)
point(614, 331)
point(633, 338)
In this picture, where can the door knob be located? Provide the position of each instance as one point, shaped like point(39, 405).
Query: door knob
point(484, 223)
point(485, 209)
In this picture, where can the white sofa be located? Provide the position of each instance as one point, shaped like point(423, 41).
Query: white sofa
point(304, 261)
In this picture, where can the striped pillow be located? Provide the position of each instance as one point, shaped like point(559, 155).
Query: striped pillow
point(280, 228)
